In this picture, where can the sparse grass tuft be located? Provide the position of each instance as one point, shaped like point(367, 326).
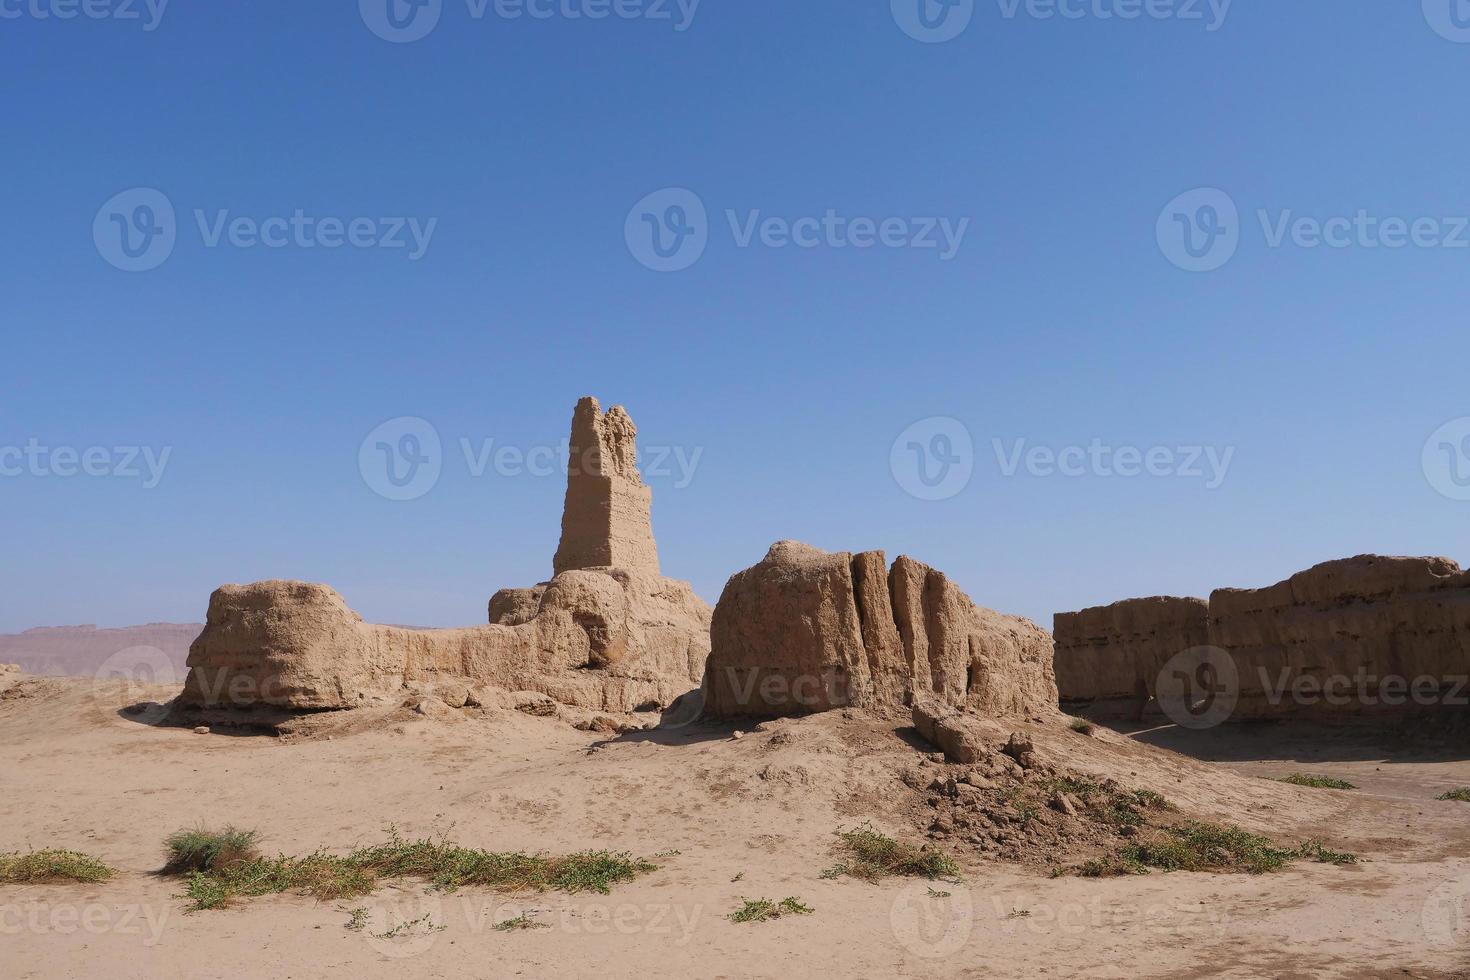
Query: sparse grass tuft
point(1082, 726)
point(763, 909)
point(444, 865)
point(1196, 846)
point(1318, 782)
point(522, 921)
point(42, 867)
point(875, 857)
point(1459, 795)
point(207, 850)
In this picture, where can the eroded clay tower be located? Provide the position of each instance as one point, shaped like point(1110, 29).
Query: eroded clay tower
point(605, 521)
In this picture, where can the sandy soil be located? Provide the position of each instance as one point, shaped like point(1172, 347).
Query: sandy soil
point(76, 773)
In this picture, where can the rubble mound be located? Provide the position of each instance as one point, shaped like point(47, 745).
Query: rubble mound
point(806, 631)
point(602, 637)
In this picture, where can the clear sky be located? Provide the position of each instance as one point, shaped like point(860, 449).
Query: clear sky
point(536, 155)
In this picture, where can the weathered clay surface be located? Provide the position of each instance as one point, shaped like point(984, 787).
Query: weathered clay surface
point(9, 675)
point(805, 631)
point(1353, 623)
point(1116, 651)
point(512, 607)
point(598, 636)
point(606, 640)
point(605, 522)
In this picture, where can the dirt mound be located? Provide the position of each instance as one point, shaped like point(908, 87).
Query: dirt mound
point(806, 631)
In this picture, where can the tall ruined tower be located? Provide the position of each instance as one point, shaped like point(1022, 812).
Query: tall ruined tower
point(605, 521)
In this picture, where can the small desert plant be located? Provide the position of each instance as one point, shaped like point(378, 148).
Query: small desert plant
point(1318, 782)
point(209, 850)
point(357, 919)
point(403, 928)
point(522, 921)
point(1082, 727)
point(763, 909)
point(1197, 846)
point(1458, 795)
point(875, 856)
point(41, 867)
point(444, 865)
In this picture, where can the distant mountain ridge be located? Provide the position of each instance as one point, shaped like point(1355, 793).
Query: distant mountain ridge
point(81, 651)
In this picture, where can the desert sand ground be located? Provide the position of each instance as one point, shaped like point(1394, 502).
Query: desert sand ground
point(708, 808)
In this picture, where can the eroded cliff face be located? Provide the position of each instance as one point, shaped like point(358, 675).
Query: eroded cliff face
point(1353, 636)
point(806, 630)
point(607, 633)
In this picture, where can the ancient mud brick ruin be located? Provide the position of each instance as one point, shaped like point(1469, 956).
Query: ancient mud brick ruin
point(1353, 636)
point(605, 522)
point(607, 633)
point(806, 630)
point(1114, 653)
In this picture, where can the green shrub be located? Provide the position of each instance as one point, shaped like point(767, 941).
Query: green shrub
point(875, 856)
point(444, 865)
point(42, 867)
point(1318, 782)
point(763, 909)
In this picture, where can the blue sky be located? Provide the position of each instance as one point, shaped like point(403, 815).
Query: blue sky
point(530, 151)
